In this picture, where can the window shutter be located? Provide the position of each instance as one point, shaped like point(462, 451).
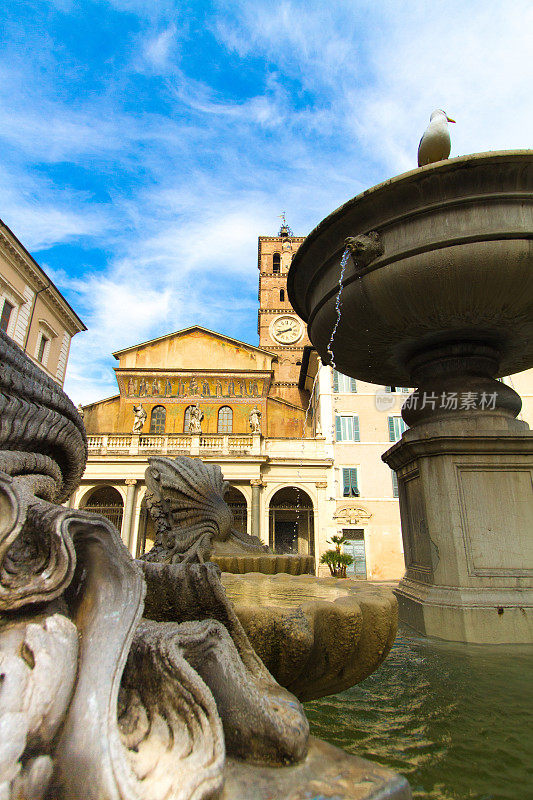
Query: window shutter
point(392, 435)
point(335, 381)
point(353, 481)
point(388, 388)
point(353, 385)
point(338, 429)
point(395, 492)
point(356, 429)
point(345, 482)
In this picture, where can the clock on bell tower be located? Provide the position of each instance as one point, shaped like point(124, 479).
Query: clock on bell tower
point(280, 330)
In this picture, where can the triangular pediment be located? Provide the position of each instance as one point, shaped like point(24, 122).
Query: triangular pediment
point(195, 348)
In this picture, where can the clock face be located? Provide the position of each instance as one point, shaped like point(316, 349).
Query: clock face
point(286, 330)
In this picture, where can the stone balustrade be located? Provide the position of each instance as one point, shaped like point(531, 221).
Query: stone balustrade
point(172, 444)
point(203, 444)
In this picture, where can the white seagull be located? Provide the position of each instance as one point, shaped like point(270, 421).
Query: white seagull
point(435, 143)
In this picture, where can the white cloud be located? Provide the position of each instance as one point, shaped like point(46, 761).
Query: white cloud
point(40, 216)
point(158, 49)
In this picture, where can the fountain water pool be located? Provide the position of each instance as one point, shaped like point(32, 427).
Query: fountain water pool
point(455, 719)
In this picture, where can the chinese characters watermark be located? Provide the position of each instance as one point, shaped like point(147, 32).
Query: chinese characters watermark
point(453, 401)
point(443, 401)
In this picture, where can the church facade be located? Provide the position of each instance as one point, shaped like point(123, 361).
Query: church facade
point(199, 393)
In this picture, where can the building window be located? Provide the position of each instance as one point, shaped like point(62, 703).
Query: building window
point(225, 420)
point(282, 295)
point(276, 263)
point(6, 315)
point(349, 482)
point(342, 383)
point(396, 427)
point(187, 419)
point(158, 419)
point(347, 428)
point(402, 389)
point(42, 352)
point(395, 492)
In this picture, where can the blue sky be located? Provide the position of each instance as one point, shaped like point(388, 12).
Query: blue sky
point(146, 145)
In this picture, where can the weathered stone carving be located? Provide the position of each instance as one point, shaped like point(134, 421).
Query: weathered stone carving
point(95, 702)
point(185, 498)
point(364, 248)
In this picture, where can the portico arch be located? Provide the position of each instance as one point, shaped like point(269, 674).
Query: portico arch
point(239, 507)
point(104, 500)
point(291, 521)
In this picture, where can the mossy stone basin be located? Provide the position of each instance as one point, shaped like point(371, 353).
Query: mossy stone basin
point(317, 636)
point(267, 563)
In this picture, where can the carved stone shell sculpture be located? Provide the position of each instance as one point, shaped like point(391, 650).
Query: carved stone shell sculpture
point(185, 498)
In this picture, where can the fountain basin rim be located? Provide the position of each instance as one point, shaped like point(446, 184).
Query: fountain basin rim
point(334, 589)
point(406, 178)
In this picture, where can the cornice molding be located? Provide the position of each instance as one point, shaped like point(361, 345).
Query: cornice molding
point(39, 282)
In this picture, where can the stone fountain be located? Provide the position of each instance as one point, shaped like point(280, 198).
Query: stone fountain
point(438, 294)
point(133, 680)
point(317, 636)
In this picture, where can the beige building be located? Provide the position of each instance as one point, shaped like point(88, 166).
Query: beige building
point(32, 310)
point(359, 422)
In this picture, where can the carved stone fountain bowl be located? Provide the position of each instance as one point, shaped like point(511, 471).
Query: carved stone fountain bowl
point(317, 636)
point(456, 266)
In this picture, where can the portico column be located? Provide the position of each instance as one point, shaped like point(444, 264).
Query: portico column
point(256, 484)
point(131, 483)
point(318, 518)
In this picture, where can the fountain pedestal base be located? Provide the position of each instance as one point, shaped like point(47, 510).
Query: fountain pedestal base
point(466, 502)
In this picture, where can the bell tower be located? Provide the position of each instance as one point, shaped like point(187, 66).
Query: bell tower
point(280, 330)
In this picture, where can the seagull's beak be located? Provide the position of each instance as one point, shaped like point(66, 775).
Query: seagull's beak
point(450, 120)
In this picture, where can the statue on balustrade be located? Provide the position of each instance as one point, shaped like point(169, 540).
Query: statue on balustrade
point(140, 418)
point(195, 419)
point(255, 420)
